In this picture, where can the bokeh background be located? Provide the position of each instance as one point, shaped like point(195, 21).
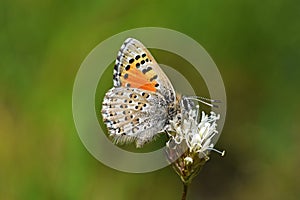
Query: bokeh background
point(255, 44)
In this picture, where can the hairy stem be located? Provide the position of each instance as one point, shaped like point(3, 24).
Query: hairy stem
point(185, 190)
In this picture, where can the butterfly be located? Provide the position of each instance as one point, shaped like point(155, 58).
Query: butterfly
point(142, 101)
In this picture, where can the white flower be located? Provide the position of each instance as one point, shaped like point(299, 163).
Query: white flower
point(191, 140)
point(197, 134)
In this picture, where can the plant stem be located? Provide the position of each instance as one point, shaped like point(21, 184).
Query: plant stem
point(185, 190)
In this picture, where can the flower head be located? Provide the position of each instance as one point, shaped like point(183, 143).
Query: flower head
point(192, 142)
point(197, 134)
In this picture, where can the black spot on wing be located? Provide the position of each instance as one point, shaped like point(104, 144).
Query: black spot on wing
point(146, 70)
point(131, 60)
point(153, 78)
point(127, 67)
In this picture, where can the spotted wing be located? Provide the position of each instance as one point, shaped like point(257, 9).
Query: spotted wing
point(133, 114)
point(136, 68)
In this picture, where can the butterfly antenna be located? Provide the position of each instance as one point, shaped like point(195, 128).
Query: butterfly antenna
point(204, 101)
point(210, 100)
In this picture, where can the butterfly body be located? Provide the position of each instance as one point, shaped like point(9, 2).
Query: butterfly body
point(142, 102)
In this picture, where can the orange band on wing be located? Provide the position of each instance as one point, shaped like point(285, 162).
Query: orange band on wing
point(149, 87)
point(136, 79)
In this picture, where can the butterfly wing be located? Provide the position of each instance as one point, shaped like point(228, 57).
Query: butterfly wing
point(136, 68)
point(133, 114)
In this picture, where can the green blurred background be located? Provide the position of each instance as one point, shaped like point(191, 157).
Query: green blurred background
point(255, 44)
